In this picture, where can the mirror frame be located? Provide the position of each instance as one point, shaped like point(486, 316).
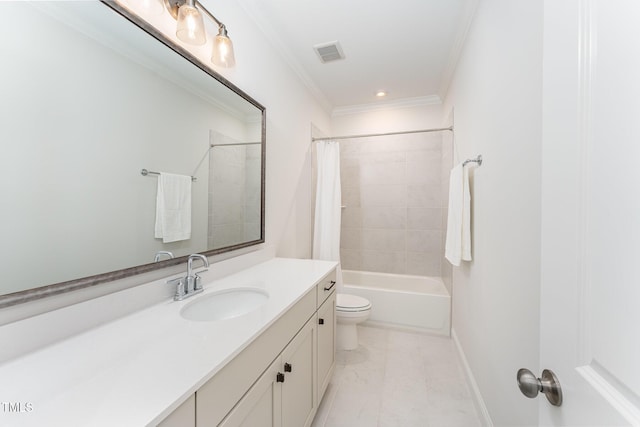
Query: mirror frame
point(28, 295)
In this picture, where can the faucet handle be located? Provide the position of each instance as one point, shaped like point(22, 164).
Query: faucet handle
point(175, 281)
point(180, 292)
point(180, 289)
point(198, 283)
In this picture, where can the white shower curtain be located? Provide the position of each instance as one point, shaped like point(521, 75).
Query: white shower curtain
point(326, 231)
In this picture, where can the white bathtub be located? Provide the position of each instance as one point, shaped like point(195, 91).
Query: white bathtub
point(414, 302)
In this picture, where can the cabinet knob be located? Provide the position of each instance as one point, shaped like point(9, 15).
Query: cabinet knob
point(287, 367)
point(280, 377)
point(321, 321)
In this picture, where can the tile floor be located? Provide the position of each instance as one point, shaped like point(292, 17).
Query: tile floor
point(398, 379)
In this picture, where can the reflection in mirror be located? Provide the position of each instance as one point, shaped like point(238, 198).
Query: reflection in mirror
point(88, 101)
point(234, 191)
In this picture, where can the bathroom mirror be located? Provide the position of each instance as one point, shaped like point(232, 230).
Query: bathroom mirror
point(90, 96)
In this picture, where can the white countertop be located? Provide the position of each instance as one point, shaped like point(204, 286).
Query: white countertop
point(136, 370)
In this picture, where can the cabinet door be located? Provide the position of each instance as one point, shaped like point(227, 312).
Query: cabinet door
point(299, 390)
point(261, 406)
point(183, 416)
point(326, 343)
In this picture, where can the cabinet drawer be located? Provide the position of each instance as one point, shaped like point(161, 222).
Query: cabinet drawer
point(325, 287)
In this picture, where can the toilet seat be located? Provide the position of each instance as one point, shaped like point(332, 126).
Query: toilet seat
point(347, 303)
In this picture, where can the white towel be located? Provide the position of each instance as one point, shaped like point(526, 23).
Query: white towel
point(173, 208)
point(458, 244)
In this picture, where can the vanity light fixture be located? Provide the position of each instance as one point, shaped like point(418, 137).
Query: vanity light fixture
point(190, 29)
point(149, 7)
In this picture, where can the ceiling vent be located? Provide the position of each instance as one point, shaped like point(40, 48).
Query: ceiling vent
point(328, 52)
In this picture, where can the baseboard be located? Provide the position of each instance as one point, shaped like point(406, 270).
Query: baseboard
point(405, 328)
point(483, 412)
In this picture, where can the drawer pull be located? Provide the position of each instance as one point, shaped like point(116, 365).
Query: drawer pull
point(287, 367)
point(333, 283)
point(321, 321)
point(280, 377)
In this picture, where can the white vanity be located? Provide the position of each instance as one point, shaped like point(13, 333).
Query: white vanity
point(267, 367)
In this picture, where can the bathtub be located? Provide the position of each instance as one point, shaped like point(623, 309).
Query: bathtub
point(413, 302)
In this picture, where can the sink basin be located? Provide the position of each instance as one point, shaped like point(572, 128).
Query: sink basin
point(225, 304)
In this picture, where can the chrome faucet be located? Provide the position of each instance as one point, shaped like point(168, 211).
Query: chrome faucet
point(160, 253)
point(192, 283)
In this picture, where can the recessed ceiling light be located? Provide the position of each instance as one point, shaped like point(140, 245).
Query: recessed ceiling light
point(381, 94)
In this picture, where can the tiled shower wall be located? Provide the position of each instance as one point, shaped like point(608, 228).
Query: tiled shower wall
point(234, 195)
point(393, 204)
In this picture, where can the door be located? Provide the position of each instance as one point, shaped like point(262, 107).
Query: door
point(590, 292)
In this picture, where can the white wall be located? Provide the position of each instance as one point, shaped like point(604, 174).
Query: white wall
point(387, 117)
point(496, 97)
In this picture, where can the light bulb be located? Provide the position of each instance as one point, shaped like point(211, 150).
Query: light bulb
point(222, 54)
point(151, 7)
point(190, 25)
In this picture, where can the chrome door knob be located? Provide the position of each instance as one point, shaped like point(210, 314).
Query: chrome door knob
point(548, 384)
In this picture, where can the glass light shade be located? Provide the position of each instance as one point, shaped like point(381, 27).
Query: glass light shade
point(222, 54)
point(151, 7)
point(190, 25)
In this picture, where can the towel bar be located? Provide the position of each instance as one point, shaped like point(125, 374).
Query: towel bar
point(477, 160)
point(146, 172)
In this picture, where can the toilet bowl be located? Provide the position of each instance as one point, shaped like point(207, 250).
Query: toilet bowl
point(350, 310)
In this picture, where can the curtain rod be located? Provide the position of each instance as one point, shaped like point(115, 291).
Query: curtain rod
point(450, 128)
point(234, 144)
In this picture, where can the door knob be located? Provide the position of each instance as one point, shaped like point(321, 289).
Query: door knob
point(548, 384)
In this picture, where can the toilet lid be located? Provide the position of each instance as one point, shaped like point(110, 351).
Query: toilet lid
point(348, 302)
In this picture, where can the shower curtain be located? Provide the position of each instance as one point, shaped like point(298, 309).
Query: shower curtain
point(326, 231)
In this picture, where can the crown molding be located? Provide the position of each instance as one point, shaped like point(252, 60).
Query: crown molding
point(468, 16)
point(419, 101)
point(276, 42)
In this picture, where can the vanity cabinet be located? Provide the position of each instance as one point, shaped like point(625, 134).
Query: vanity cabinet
point(278, 380)
point(260, 407)
point(326, 343)
point(183, 416)
point(285, 394)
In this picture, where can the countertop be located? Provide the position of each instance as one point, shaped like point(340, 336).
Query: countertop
point(135, 370)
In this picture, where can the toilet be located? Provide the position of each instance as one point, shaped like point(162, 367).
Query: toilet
point(350, 310)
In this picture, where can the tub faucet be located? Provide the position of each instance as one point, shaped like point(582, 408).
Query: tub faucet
point(192, 283)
